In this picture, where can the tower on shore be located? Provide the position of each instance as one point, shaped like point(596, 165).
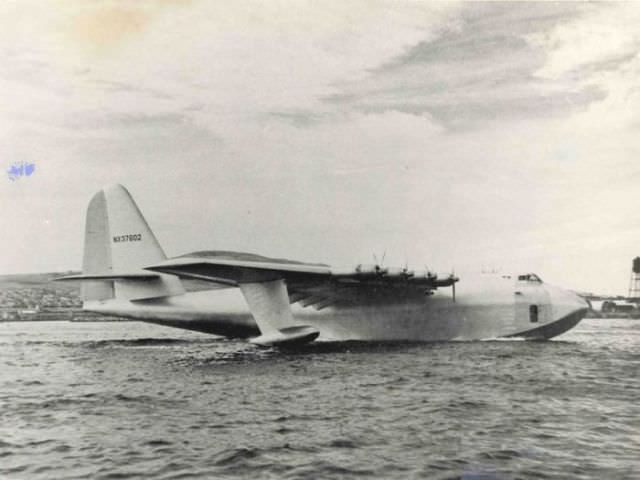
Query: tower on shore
point(634, 281)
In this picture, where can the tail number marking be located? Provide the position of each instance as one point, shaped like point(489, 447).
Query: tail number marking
point(134, 237)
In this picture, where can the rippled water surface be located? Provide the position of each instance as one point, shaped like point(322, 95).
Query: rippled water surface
point(126, 400)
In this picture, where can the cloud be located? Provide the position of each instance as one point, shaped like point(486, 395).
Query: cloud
point(600, 36)
point(482, 69)
point(216, 65)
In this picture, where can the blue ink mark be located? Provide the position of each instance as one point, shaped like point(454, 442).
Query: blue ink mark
point(21, 169)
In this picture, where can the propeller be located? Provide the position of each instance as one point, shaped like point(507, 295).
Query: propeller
point(379, 265)
point(405, 270)
point(453, 291)
point(454, 280)
point(430, 274)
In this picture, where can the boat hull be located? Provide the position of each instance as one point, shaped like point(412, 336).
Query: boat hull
point(488, 309)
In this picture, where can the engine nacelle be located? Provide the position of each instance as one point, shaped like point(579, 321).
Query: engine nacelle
point(424, 277)
point(370, 270)
point(396, 272)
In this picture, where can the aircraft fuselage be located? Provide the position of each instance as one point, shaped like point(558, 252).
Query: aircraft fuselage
point(485, 306)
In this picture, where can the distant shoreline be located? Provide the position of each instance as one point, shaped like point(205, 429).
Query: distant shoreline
point(106, 319)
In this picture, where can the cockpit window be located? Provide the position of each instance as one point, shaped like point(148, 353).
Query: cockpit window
point(529, 277)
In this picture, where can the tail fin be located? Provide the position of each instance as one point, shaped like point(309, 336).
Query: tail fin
point(119, 243)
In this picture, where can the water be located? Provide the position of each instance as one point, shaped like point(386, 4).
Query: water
point(127, 400)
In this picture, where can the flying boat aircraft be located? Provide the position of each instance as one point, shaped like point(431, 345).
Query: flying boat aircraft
point(273, 301)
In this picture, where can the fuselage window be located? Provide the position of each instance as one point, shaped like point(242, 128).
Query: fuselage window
point(533, 313)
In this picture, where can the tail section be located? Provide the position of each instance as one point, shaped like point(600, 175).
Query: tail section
point(97, 251)
point(118, 244)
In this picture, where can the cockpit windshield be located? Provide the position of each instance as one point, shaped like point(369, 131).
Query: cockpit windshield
point(530, 277)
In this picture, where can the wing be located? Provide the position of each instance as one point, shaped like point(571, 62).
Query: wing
point(270, 286)
point(309, 284)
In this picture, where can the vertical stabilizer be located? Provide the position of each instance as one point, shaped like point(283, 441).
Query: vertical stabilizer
point(118, 241)
point(97, 251)
point(133, 244)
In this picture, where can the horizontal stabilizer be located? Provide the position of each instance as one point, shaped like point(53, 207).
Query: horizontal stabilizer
point(133, 286)
point(287, 337)
point(110, 276)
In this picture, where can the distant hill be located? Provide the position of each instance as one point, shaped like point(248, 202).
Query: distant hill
point(39, 280)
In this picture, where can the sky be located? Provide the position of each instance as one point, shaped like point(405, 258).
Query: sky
point(456, 136)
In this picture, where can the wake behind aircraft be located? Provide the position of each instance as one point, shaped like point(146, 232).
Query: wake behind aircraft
point(272, 301)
